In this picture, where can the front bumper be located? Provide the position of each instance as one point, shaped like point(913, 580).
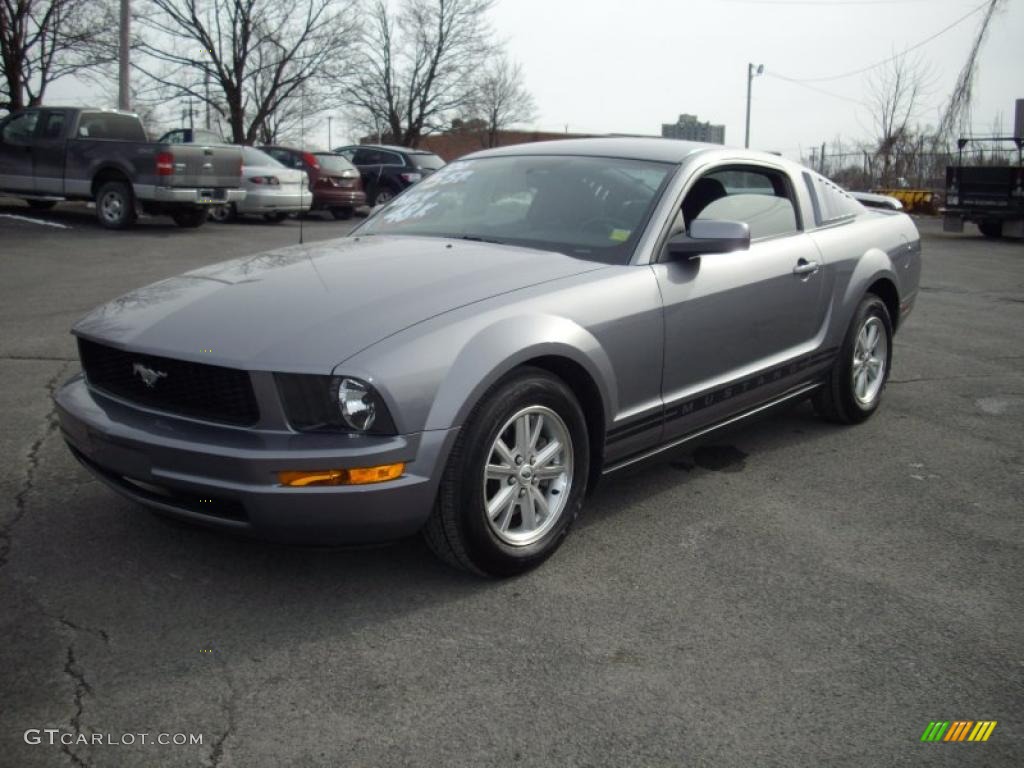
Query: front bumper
point(226, 477)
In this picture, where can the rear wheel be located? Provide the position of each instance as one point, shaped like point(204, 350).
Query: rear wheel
point(190, 218)
point(224, 213)
point(515, 479)
point(341, 213)
point(991, 228)
point(383, 196)
point(115, 205)
point(853, 389)
point(41, 205)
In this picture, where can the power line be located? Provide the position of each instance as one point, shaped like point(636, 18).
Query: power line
point(914, 47)
point(803, 84)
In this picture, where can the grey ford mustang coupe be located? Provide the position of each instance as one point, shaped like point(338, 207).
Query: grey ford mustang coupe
point(477, 353)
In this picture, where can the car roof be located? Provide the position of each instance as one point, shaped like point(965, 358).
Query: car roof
point(390, 148)
point(638, 148)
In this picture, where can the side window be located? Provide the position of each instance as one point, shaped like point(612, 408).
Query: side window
point(19, 130)
point(833, 204)
point(367, 157)
point(761, 198)
point(390, 158)
point(175, 137)
point(53, 127)
point(347, 152)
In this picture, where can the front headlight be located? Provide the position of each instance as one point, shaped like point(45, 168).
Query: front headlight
point(333, 404)
point(357, 404)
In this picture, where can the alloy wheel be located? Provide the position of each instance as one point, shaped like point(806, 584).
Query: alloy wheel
point(528, 476)
point(870, 354)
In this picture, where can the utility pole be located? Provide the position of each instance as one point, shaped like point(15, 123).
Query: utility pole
point(751, 74)
point(822, 159)
point(124, 100)
point(329, 142)
point(206, 96)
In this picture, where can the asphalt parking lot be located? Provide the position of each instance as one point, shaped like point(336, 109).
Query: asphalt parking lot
point(794, 594)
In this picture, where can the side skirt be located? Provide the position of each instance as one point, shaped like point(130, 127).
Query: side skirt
point(783, 398)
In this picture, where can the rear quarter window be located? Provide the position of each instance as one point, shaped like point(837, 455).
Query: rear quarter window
point(106, 125)
point(832, 204)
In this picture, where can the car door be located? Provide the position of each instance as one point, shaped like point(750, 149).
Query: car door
point(370, 164)
point(48, 152)
point(16, 139)
point(741, 327)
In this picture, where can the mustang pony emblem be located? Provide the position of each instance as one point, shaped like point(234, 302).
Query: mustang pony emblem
point(149, 376)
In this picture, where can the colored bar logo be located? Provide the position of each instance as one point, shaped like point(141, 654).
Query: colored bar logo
point(958, 730)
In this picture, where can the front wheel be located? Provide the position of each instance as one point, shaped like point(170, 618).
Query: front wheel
point(515, 480)
point(383, 196)
point(853, 389)
point(190, 218)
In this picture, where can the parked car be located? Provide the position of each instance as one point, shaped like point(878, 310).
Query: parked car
point(335, 181)
point(387, 170)
point(192, 136)
point(476, 354)
point(49, 154)
point(991, 196)
point(271, 190)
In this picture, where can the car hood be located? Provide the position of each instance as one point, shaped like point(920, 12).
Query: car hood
point(307, 308)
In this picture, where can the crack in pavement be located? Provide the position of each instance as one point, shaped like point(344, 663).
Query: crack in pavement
point(78, 628)
point(230, 708)
point(950, 378)
point(82, 687)
point(21, 497)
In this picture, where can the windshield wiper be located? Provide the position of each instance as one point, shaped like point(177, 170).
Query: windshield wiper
point(477, 239)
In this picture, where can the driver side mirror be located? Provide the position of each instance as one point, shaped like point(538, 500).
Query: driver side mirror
point(706, 236)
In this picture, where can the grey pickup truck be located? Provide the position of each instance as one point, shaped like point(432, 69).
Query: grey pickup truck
point(49, 154)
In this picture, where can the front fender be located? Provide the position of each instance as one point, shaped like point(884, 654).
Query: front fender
point(508, 343)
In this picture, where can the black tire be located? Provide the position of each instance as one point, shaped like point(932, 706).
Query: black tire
point(41, 205)
point(222, 214)
point(383, 195)
point(991, 228)
point(115, 205)
point(837, 400)
point(275, 218)
point(190, 218)
point(342, 213)
point(458, 530)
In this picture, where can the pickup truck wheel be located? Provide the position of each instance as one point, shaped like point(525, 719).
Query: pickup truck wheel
point(991, 228)
point(41, 205)
point(115, 205)
point(515, 480)
point(190, 218)
point(853, 389)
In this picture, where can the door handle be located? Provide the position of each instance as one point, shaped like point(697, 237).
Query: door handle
point(804, 267)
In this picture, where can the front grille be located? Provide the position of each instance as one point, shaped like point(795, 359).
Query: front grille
point(209, 392)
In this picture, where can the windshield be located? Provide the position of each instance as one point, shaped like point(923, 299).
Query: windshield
point(333, 163)
point(590, 207)
point(254, 157)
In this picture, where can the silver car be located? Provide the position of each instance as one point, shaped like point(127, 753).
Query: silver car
point(272, 190)
point(480, 351)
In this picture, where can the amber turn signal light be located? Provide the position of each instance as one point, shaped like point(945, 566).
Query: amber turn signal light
point(359, 476)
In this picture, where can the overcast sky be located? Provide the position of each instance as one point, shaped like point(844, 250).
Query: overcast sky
point(627, 66)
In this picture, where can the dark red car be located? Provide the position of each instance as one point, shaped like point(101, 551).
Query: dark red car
point(335, 182)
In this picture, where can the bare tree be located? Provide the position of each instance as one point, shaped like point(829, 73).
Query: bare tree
point(501, 98)
point(417, 64)
point(247, 59)
point(895, 101)
point(42, 41)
